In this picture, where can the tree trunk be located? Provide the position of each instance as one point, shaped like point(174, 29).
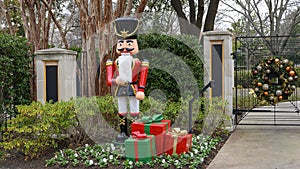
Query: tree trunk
point(141, 8)
point(183, 21)
point(211, 15)
point(200, 14)
point(91, 57)
point(33, 27)
point(25, 21)
point(7, 17)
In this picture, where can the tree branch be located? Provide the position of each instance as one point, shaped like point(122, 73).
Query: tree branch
point(192, 11)
point(176, 4)
point(141, 8)
point(211, 15)
point(200, 14)
point(128, 8)
point(59, 27)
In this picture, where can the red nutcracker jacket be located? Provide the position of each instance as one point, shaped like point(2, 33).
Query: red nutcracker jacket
point(139, 73)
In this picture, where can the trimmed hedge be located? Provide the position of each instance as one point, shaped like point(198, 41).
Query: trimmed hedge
point(176, 66)
point(15, 60)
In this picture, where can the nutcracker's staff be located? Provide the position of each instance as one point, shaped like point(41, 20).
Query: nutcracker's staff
point(131, 73)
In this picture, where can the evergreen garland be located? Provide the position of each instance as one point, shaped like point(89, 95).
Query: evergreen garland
point(273, 80)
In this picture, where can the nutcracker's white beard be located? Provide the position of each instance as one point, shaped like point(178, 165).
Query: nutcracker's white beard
point(125, 69)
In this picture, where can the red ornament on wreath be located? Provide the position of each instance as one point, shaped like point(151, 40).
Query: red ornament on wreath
point(266, 78)
point(255, 72)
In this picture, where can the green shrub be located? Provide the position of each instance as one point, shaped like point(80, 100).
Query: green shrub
point(214, 116)
point(208, 114)
point(38, 127)
point(176, 66)
point(15, 59)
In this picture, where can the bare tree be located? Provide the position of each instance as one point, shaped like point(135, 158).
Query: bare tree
point(159, 17)
point(57, 23)
point(196, 13)
point(96, 21)
point(37, 17)
point(269, 18)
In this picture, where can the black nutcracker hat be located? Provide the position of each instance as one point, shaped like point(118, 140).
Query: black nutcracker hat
point(126, 27)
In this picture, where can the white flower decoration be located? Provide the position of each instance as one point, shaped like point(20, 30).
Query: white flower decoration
point(163, 160)
point(130, 162)
point(105, 160)
point(112, 147)
point(76, 155)
point(111, 157)
point(91, 162)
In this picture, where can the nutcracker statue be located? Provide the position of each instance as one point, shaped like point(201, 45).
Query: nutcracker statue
point(127, 73)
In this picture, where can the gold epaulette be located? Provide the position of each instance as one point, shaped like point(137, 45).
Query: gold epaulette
point(109, 62)
point(145, 63)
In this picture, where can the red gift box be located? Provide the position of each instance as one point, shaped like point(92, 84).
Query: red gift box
point(158, 129)
point(177, 143)
point(155, 128)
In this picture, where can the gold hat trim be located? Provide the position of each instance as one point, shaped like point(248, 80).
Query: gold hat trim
point(124, 33)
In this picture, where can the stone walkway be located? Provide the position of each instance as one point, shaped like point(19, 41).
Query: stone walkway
point(261, 142)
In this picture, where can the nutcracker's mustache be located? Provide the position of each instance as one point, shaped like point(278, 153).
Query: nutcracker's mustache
point(127, 49)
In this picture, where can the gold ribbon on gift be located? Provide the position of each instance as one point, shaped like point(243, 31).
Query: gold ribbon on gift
point(175, 133)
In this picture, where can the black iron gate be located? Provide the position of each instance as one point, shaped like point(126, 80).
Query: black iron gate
point(248, 51)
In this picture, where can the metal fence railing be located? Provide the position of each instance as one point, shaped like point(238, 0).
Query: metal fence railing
point(247, 53)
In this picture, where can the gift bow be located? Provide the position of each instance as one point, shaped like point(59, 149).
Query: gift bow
point(177, 132)
point(138, 135)
point(151, 119)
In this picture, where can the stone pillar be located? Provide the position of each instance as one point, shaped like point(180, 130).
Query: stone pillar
point(219, 66)
point(55, 74)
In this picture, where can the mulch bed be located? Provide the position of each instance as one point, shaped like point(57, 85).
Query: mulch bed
point(16, 160)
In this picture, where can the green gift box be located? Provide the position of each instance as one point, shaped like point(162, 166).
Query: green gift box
point(140, 149)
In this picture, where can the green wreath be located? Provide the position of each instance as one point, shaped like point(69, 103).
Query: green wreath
point(273, 80)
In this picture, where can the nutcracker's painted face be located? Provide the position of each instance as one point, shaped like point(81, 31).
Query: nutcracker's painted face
point(127, 46)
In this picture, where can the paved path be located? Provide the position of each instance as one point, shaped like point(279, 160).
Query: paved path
point(259, 144)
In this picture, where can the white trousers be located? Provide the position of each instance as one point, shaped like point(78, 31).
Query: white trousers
point(133, 104)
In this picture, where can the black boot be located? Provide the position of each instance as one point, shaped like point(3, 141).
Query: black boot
point(134, 116)
point(123, 126)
